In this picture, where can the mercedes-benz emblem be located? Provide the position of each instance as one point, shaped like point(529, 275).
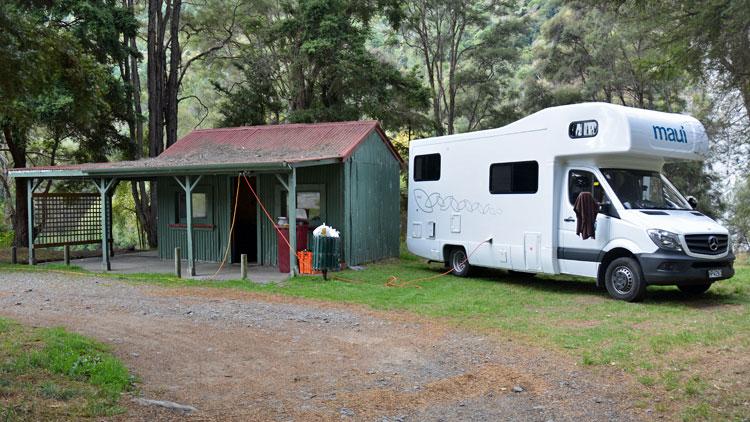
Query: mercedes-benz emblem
point(713, 243)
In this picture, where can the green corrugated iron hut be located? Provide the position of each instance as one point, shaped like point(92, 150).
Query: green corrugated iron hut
point(345, 174)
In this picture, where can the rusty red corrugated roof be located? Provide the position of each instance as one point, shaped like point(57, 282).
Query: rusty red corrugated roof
point(276, 143)
point(285, 143)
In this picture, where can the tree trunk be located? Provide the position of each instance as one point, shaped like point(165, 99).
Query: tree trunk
point(141, 198)
point(175, 58)
point(17, 149)
point(155, 70)
point(746, 98)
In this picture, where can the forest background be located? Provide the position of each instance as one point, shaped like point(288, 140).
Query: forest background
point(105, 80)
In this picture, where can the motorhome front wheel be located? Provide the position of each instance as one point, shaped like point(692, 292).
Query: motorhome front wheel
point(624, 280)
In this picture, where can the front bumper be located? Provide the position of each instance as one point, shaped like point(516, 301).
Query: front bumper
point(666, 268)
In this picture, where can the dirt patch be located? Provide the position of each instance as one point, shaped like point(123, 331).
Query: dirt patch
point(484, 380)
point(240, 355)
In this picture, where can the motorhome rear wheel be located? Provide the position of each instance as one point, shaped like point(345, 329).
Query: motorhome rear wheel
point(458, 262)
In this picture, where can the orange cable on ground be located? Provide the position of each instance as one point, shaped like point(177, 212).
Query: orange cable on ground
point(393, 281)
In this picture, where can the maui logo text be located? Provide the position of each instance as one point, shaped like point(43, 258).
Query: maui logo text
point(662, 133)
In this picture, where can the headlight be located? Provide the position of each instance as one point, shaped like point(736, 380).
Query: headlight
point(665, 240)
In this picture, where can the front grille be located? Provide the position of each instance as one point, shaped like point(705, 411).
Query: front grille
point(701, 243)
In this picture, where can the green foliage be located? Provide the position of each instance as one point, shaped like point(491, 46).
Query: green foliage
point(468, 52)
point(42, 365)
point(693, 178)
point(308, 62)
point(593, 53)
point(740, 213)
point(125, 229)
point(6, 239)
point(56, 63)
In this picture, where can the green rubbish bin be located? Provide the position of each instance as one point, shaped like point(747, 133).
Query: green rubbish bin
point(326, 252)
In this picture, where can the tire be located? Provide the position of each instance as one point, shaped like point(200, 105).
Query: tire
point(695, 289)
point(624, 280)
point(458, 262)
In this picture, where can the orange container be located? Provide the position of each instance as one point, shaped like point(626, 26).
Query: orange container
point(305, 262)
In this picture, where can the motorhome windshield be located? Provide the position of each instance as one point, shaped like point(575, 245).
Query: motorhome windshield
point(642, 189)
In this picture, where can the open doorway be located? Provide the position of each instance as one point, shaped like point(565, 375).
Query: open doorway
point(245, 233)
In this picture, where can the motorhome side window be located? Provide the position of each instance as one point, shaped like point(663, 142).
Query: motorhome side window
point(426, 167)
point(584, 181)
point(518, 177)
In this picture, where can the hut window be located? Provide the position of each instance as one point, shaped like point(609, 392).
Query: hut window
point(310, 202)
point(200, 206)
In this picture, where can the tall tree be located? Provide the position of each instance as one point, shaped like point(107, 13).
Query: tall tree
point(144, 196)
point(711, 42)
point(740, 213)
point(309, 62)
point(592, 52)
point(177, 38)
point(55, 63)
point(463, 46)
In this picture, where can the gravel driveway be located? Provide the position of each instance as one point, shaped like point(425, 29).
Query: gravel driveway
point(244, 356)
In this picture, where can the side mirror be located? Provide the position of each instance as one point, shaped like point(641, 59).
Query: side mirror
point(692, 201)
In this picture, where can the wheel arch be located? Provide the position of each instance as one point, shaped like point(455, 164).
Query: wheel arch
point(607, 258)
point(448, 247)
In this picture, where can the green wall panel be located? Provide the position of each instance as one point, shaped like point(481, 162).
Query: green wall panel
point(210, 243)
point(361, 200)
point(373, 203)
point(272, 194)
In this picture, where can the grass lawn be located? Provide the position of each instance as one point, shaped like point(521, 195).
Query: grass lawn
point(690, 356)
point(51, 374)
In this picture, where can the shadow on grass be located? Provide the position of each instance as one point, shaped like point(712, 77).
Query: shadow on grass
point(544, 283)
point(571, 285)
point(671, 295)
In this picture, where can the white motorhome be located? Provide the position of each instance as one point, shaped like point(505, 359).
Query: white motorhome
point(504, 198)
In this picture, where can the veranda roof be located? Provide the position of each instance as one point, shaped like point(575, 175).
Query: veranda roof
point(230, 150)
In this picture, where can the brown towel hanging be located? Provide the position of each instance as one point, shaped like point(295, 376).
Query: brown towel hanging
point(586, 209)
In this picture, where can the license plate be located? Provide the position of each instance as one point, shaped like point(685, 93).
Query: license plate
point(715, 273)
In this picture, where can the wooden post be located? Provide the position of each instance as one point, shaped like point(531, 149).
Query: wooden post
point(188, 187)
point(292, 211)
point(104, 186)
point(30, 214)
point(178, 262)
point(105, 232)
point(189, 216)
point(66, 254)
point(243, 266)
point(109, 222)
point(13, 255)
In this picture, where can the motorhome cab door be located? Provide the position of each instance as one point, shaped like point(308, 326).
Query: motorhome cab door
point(575, 255)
